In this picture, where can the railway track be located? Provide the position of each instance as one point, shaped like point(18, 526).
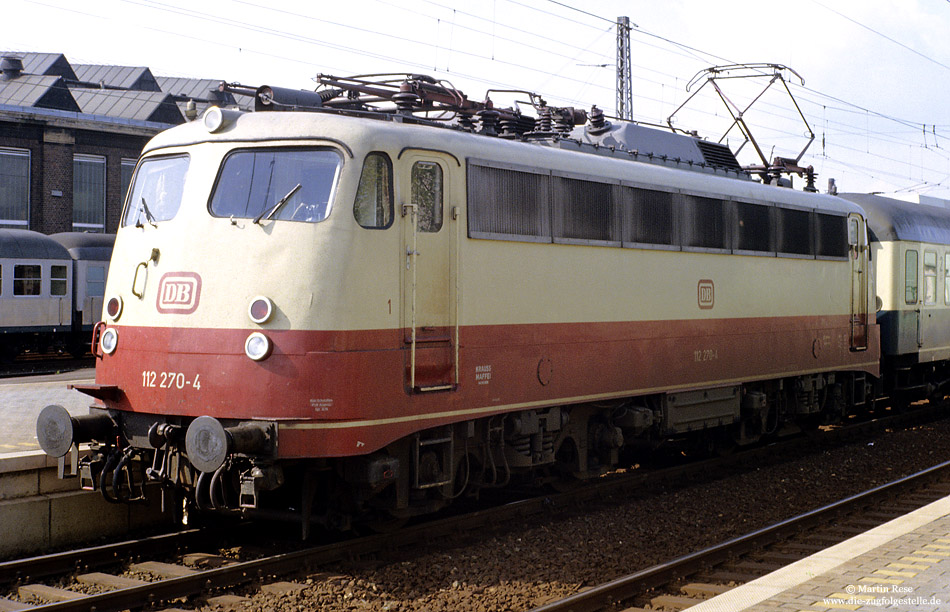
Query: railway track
point(176, 566)
point(687, 580)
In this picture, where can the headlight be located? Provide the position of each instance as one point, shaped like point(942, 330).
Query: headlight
point(114, 307)
point(108, 341)
point(260, 309)
point(257, 346)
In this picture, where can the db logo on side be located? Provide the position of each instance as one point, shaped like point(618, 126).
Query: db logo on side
point(706, 294)
point(178, 293)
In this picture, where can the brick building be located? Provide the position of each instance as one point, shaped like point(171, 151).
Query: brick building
point(70, 136)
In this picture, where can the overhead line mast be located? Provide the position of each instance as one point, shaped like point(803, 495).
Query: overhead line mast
point(624, 85)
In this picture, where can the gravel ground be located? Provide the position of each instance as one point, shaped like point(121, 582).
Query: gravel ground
point(520, 567)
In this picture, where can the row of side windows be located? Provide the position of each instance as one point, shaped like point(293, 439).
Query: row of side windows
point(28, 279)
point(537, 206)
point(522, 204)
point(89, 189)
point(930, 277)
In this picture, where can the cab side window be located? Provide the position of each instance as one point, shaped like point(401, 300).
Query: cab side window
point(427, 195)
point(910, 277)
point(373, 207)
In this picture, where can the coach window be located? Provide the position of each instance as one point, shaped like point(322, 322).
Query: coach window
point(427, 195)
point(57, 283)
point(26, 279)
point(96, 281)
point(14, 187)
point(155, 194)
point(279, 184)
point(373, 207)
point(930, 277)
point(910, 276)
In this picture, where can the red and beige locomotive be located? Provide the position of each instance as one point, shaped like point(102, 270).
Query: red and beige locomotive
point(359, 311)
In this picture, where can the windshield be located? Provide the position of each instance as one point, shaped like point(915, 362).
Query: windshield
point(286, 184)
point(156, 190)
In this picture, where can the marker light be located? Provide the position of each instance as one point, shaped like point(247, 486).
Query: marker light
point(260, 309)
point(114, 307)
point(258, 346)
point(109, 340)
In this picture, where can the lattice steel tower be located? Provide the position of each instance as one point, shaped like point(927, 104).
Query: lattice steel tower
point(624, 86)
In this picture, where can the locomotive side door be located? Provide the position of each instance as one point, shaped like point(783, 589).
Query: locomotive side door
point(858, 254)
point(429, 207)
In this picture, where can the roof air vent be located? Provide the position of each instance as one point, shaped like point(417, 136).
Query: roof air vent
point(11, 67)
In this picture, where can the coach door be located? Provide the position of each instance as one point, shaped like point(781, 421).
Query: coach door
point(428, 181)
point(858, 254)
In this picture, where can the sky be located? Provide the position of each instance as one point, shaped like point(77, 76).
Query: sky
point(869, 78)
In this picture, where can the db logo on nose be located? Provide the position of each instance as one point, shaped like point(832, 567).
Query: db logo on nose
point(178, 293)
point(706, 294)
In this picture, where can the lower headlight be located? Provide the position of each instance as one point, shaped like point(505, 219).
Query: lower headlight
point(108, 341)
point(257, 346)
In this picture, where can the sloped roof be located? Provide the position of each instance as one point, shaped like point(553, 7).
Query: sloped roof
point(46, 64)
point(138, 78)
point(38, 91)
point(137, 105)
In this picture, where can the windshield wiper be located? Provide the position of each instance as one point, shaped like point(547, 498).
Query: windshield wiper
point(148, 216)
point(269, 214)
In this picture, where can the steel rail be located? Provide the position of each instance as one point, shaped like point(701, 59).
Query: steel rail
point(627, 587)
point(18, 570)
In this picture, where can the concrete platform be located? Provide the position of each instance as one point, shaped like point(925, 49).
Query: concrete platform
point(38, 511)
point(902, 565)
point(22, 398)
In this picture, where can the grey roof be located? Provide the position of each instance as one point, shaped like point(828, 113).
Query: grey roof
point(137, 105)
point(890, 219)
point(96, 247)
point(37, 91)
point(26, 244)
point(46, 64)
point(138, 78)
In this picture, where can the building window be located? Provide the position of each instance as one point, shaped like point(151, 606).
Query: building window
point(27, 280)
point(910, 277)
point(57, 283)
point(89, 193)
point(14, 188)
